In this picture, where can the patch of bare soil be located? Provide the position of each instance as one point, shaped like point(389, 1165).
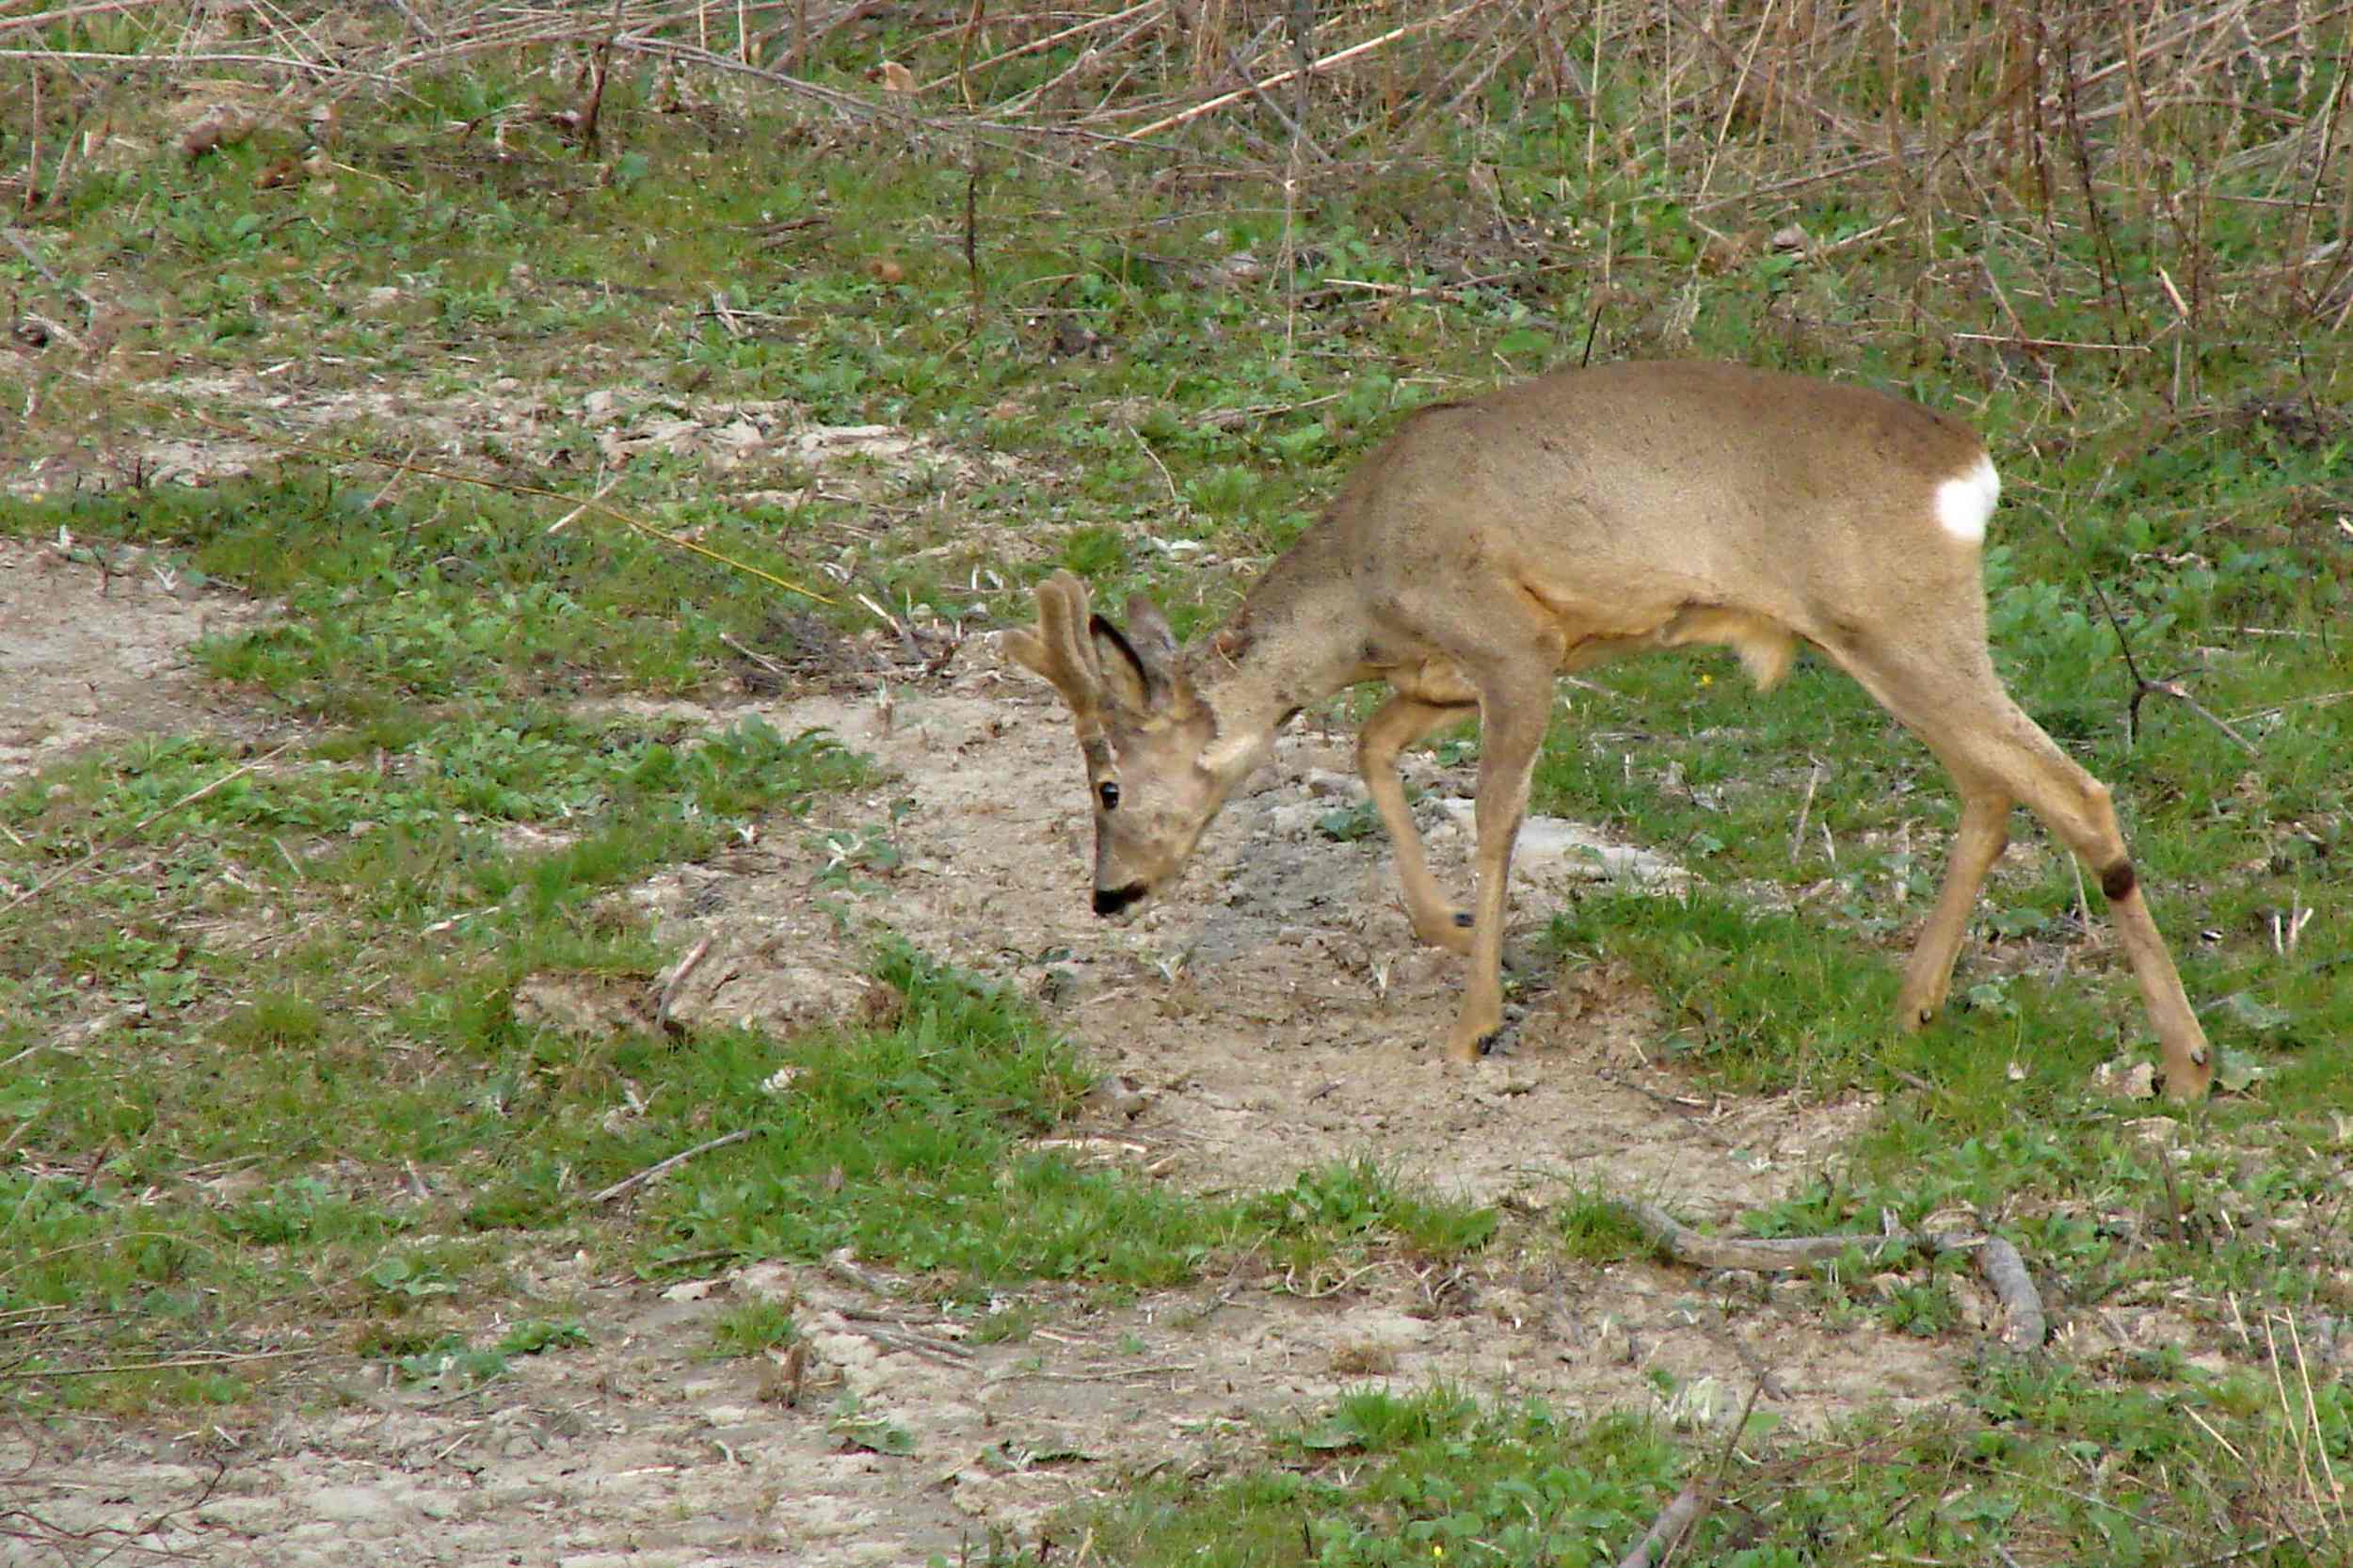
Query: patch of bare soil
point(1272, 1014)
point(89, 655)
point(1273, 1010)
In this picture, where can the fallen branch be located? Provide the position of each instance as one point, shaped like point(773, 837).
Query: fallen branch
point(1997, 1262)
point(66, 13)
point(627, 1184)
point(222, 1358)
point(1668, 1529)
point(677, 978)
point(1686, 1245)
point(2021, 1308)
point(127, 61)
point(891, 1331)
point(2013, 340)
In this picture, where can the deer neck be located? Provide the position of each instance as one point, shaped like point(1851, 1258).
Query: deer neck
point(1297, 640)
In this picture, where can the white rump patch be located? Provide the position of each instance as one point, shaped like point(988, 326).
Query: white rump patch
point(1963, 504)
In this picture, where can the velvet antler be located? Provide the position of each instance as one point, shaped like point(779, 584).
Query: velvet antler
point(1060, 651)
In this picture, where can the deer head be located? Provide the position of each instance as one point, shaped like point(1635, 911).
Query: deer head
point(1157, 768)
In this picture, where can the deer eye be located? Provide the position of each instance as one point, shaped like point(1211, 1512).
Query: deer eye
point(1108, 794)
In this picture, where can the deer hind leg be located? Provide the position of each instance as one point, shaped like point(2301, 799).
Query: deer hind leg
point(1997, 755)
point(1984, 833)
point(1400, 722)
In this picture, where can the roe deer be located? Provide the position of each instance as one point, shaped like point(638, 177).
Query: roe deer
point(1491, 545)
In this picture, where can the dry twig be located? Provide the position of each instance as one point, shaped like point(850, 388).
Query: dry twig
point(627, 1184)
point(2171, 686)
point(1354, 50)
point(1691, 1505)
point(127, 837)
point(677, 978)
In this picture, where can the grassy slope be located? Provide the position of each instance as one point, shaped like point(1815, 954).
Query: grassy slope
point(1169, 347)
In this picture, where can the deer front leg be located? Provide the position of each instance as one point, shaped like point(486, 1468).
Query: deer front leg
point(1400, 722)
point(1510, 731)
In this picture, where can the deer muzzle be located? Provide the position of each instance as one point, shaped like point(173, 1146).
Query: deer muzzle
point(1111, 901)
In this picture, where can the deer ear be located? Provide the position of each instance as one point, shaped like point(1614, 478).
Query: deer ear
point(1132, 683)
point(1024, 648)
point(1148, 629)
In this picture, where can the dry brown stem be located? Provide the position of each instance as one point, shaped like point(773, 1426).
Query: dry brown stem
point(131, 833)
point(1325, 62)
point(631, 1183)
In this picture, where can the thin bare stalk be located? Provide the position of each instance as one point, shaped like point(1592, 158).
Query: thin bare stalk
point(1354, 51)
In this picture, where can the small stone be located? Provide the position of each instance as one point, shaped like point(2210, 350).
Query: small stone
point(360, 1505)
point(246, 1516)
point(2126, 1078)
point(1117, 1096)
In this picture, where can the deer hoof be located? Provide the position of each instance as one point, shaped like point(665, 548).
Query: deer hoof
point(1476, 1048)
point(2193, 1082)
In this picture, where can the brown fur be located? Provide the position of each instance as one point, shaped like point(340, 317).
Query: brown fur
point(1491, 545)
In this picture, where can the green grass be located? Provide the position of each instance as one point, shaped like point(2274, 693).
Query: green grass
point(399, 609)
point(907, 1145)
point(313, 952)
point(314, 955)
point(1425, 1479)
point(313, 968)
point(1333, 1214)
point(2037, 1461)
point(753, 1327)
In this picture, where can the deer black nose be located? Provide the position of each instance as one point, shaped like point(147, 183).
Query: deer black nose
point(1111, 901)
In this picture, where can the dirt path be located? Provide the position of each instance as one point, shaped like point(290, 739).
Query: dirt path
point(1273, 1010)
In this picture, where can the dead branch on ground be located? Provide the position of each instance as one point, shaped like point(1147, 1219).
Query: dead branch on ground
point(1997, 1262)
